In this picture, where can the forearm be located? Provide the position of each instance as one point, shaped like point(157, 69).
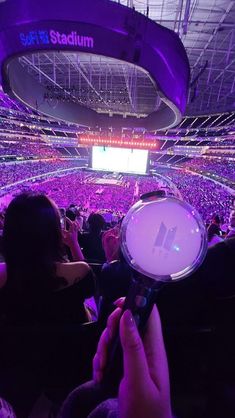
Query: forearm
point(76, 252)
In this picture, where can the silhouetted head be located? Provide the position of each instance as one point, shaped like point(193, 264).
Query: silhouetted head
point(71, 214)
point(216, 219)
point(96, 223)
point(213, 229)
point(152, 195)
point(32, 240)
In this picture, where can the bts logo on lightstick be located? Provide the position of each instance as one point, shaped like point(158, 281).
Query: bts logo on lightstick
point(165, 238)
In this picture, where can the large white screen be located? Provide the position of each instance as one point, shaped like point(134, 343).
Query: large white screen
point(119, 160)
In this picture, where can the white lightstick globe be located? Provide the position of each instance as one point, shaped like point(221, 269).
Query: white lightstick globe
point(163, 237)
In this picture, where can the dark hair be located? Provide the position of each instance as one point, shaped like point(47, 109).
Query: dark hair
point(153, 194)
point(71, 214)
point(32, 244)
point(96, 223)
point(216, 219)
point(213, 229)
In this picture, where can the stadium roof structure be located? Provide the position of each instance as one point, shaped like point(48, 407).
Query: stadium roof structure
point(207, 30)
point(94, 62)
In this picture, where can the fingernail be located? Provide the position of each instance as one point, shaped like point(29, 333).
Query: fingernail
point(118, 301)
point(128, 319)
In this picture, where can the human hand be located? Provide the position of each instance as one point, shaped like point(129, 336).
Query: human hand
point(144, 390)
point(70, 237)
point(111, 244)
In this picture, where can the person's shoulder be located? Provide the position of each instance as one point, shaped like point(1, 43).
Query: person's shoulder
point(74, 271)
point(220, 256)
point(215, 240)
point(230, 242)
point(222, 246)
point(231, 235)
point(3, 274)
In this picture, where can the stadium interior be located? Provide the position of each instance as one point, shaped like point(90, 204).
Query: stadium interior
point(105, 169)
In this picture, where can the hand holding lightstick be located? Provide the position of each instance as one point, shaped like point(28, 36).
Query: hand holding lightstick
point(163, 239)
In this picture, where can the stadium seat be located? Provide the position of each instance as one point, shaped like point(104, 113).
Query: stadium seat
point(44, 359)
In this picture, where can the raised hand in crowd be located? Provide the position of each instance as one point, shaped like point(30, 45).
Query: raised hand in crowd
point(70, 238)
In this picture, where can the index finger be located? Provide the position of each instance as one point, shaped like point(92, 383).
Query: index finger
point(135, 363)
point(155, 351)
point(101, 357)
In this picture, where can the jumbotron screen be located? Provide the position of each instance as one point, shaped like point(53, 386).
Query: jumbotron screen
point(119, 160)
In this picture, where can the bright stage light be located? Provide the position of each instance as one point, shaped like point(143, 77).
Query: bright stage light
point(119, 160)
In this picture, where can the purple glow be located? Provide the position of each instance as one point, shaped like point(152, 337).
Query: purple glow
point(166, 230)
point(72, 39)
point(44, 37)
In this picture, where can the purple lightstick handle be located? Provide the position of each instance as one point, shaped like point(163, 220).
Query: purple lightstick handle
point(140, 300)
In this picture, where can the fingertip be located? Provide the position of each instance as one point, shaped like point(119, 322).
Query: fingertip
point(119, 302)
point(154, 319)
point(128, 320)
point(113, 319)
point(128, 330)
point(135, 363)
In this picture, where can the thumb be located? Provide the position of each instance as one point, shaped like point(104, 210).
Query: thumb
point(135, 363)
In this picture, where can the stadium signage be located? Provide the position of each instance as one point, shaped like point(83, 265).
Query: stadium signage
point(99, 27)
point(52, 37)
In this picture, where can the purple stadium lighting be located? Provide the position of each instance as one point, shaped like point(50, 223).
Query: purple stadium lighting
point(40, 42)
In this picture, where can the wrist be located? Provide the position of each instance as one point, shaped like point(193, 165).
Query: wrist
point(73, 245)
